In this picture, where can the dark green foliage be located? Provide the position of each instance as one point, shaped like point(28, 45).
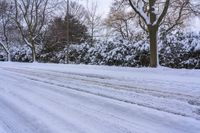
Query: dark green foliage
point(56, 36)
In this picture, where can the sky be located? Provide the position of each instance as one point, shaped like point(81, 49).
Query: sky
point(103, 5)
point(195, 24)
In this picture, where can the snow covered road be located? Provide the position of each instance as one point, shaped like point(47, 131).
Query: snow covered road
point(49, 98)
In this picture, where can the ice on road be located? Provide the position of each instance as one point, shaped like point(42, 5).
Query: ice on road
point(50, 98)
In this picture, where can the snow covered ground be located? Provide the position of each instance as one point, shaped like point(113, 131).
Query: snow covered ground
point(51, 98)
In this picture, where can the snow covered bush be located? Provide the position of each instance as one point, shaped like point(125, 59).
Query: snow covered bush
point(21, 54)
point(119, 53)
point(180, 50)
point(176, 50)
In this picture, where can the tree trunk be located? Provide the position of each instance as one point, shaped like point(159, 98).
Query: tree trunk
point(153, 30)
point(6, 50)
point(33, 53)
point(67, 55)
point(153, 46)
point(8, 57)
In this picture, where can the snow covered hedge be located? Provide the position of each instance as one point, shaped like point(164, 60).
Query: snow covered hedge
point(112, 53)
point(180, 50)
point(21, 54)
point(176, 50)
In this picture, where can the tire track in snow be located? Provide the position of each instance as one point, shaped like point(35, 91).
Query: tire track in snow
point(98, 81)
point(27, 95)
point(57, 103)
point(193, 111)
point(20, 121)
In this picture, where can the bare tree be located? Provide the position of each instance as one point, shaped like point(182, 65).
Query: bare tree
point(178, 13)
point(75, 8)
point(6, 26)
point(121, 21)
point(30, 18)
point(156, 13)
point(93, 20)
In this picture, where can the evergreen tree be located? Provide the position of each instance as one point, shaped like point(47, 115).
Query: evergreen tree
point(57, 32)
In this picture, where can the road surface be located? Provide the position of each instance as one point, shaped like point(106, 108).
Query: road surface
point(45, 98)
